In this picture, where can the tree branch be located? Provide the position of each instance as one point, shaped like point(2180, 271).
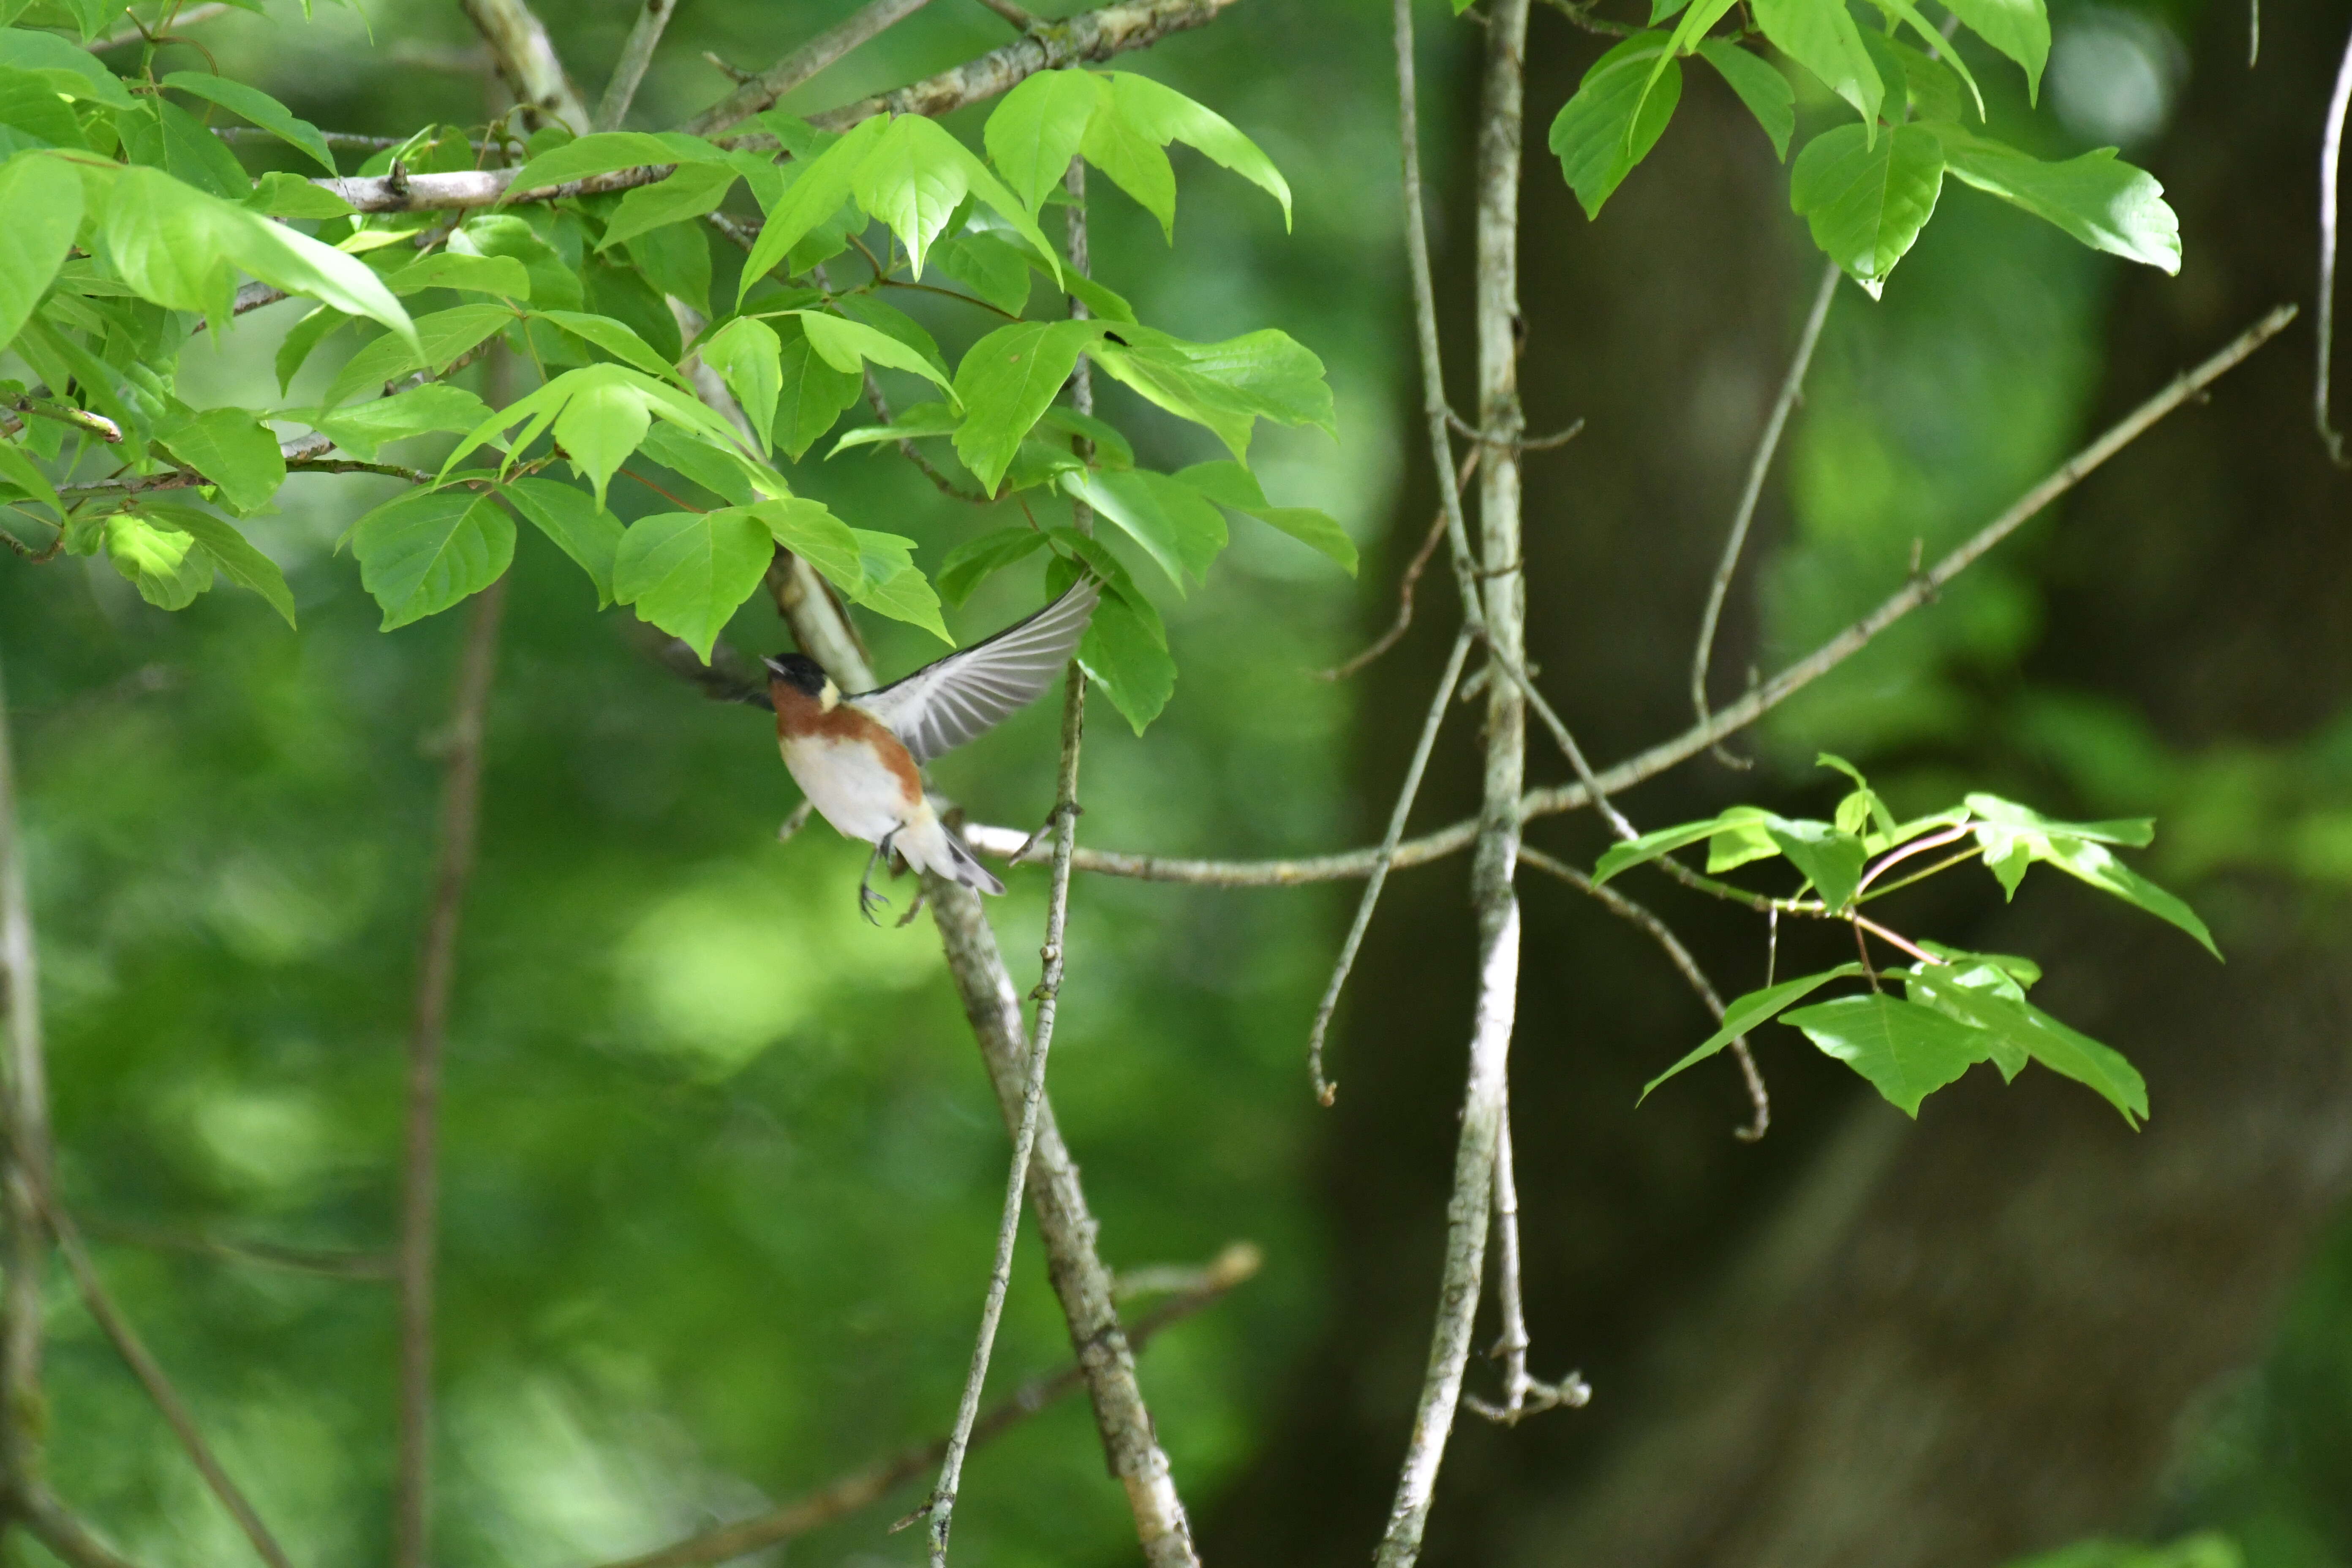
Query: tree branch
point(25, 1121)
point(1468, 1210)
point(1048, 996)
point(762, 92)
point(636, 54)
point(528, 64)
point(862, 1488)
point(1792, 387)
point(1325, 1090)
point(461, 796)
point(1726, 721)
point(2331, 156)
point(57, 1527)
point(150, 1373)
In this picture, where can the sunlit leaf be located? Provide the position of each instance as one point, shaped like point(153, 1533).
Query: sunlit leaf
point(1867, 202)
point(687, 571)
point(1743, 1014)
point(426, 550)
point(1596, 136)
point(1907, 1051)
point(580, 528)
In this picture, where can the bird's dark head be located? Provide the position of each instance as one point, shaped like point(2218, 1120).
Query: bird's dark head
point(799, 671)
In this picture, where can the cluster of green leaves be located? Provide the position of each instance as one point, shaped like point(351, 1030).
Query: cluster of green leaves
point(135, 219)
point(1866, 190)
point(1957, 1008)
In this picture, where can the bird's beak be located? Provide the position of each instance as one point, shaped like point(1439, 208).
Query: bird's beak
point(774, 667)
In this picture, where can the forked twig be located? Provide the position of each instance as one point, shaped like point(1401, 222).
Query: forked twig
point(1406, 584)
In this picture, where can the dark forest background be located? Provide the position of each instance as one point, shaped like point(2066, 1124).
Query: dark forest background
point(721, 1165)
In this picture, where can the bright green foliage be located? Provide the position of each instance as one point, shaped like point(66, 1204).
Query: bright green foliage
point(1176, 525)
point(1973, 1003)
point(687, 572)
point(746, 355)
point(1232, 486)
point(363, 428)
point(165, 564)
point(1034, 132)
point(233, 450)
point(1007, 380)
point(232, 553)
point(258, 107)
point(423, 553)
point(580, 528)
point(1596, 135)
point(43, 197)
point(1866, 190)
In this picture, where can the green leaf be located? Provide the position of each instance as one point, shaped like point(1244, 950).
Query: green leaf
point(844, 345)
point(177, 245)
point(234, 451)
point(1700, 16)
point(580, 528)
point(441, 339)
point(253, 104)
point(2008, 850)
point(1006, 381)
point(423, 551)
point(1176, 525)
point(2138, 832)
point(1926, 81)
point(165, 564)
point(994, 270)
point(894, 587)
point(604, 152)
point(2017, 28)
point(1126, 654)
point(1925, 984)
point(500, 275)
point(974, 561)
point(687, 571)
point(1820, 36)
point(1830, 859)
point(816, 194)
point(2015, 1025)
point(69, 71)
point(304, 337)
point(810, 530)
point(1660, 841)
point(1072, 549)
point(1135, 164)
point(694, 190)
point(21, 471)
point(1226, 386)
point(231, 551)
point(748, 356)
point(163, 136)
point(33, 113)
point(811, 393)
point(1033, 133)
point(600, 425)
point(916, 177)
point(1760, 86)
point(1931, 89)
point(1162, 115)
point(1596, 135)
point(2101, 201)
point(1748, 1012)
point(555, 283)
point(615, 339)
point(675, 261)
point(1865, 203)
point(42, 196)
point(363, 428)
point(281, 194)
point(1231, 485)
point(1907, 1051)
point(915, 422)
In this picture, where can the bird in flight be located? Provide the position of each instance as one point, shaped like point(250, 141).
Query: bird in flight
point(859, 759)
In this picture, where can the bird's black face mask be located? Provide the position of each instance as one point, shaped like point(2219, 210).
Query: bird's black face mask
point(798, 670)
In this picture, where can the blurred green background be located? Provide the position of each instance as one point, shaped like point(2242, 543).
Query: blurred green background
point(721, 1166)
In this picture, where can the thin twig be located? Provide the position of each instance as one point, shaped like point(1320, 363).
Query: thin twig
point(1406, 584)
point(1021, 19)
point(1500, 618)
point(1793, 386)
point(150, 1373)
point(1325, 1090)
point(862, 1488)
point(1726, 721)
point(322, 1262)
point(527, 62)
point(1048, 995)
point(1626, 910)
point(136, 34)
point(636, 54)
point(2331, 159)
point(1512, 1344)
point(25, 1126)
point(762, 92)
point(461, 797)
point(57, 1527)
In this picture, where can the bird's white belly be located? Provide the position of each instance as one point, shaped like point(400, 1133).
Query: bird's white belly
point(850, 786)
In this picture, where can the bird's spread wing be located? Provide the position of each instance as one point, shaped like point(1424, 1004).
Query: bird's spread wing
point(946, 703)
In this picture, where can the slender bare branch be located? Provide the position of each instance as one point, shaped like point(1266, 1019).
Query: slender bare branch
point(2331, 163)
point(461, 794)
point(324, 1263)
point(150, 1373)
point(1793, 386)
point(1503, 612)
point(528, 64)
point(1325, 1090)
point(1407, 584)
point(135, 34)
point(1625, 908)
point(57, 1527)
point(1512, 1344)
point(636, 54)
point(25, 1123)
point(1726, 721)
point(763, 90)
point(1020, 19)
point(862, 1488)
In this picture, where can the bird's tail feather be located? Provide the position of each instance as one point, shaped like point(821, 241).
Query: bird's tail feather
point(929, 846)
point(966, 868)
